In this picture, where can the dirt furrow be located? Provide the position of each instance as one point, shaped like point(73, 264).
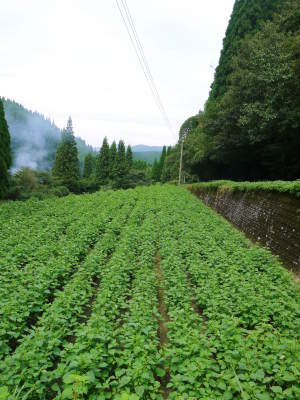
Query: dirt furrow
point(162, 323)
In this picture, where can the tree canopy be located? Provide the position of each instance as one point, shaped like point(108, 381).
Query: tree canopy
point(89, 165)
point(66, 165)
point(5, 153)
point(249, 129)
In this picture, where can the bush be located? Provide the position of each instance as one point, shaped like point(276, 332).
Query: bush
point(89, 185)
point(60, 191)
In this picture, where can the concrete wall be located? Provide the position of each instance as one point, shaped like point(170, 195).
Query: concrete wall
point(271, 218)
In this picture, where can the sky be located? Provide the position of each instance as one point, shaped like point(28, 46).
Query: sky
point(74, 57)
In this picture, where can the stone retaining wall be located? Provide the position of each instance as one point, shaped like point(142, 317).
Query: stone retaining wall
point(270, 218)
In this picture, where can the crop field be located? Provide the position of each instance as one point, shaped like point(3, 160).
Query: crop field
point(141, 294)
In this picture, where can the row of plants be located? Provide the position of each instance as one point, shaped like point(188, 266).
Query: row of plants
point(249, 345)
point(231, 318)
point(88, 366)
point(185, 355)
point(26, 231)
point(28, 371)
point(290, 187)
point(138, 360)
point(25, 293)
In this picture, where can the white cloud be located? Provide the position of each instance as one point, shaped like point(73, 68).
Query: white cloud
point(73, 57)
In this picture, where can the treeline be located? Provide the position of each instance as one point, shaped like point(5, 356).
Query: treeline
point(249, 129)
point(113, 167)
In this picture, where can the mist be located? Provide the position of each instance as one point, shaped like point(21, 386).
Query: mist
point(34, 139)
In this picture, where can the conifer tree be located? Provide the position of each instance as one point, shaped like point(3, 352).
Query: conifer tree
point(155, 171)
point(66, 165)
point(121, 158)
point(5, 152)
point(129, 157)
point(161, 162)
point(89, 165)
point(113, 161)
point(103, 163)
point(121, 164)
point(165, 175)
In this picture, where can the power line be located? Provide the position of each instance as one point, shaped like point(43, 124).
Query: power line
point(129, 24)
point(138, 48)
point(130, 19)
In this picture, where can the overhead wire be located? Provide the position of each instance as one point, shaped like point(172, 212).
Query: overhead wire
point(142, 53)
point(138, 48)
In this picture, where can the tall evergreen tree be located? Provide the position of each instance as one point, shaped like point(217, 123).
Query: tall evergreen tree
point(129, 157)
point(113, 161)
point(121, 164)
point(66, 165)
point(89, 165)
point(121, 158)
point(166, 175)
point(162, 162)
point(155, 171)
point(5, 152)
point(103, 163)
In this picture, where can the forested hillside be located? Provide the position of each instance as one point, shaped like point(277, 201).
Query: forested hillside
point(249, 129)
point(34, 138)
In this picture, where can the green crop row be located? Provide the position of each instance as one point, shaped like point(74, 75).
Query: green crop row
point(23, 296)
point(28, 370)
point(26, 232)
point(249, 348)
point(155, 296)
point(90, 360)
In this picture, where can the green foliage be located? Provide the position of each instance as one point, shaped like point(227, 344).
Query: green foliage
point(188, 126)
point(89, 165)
point(161, 162)
point(171, 164)
point(83, 150)
point(129, 157)
point(26, 180)
point(66, 166)
point(292, 187)
point(155, 171)
point(82, 300)
point(246, 18)
point(5, 153)
point(103, 163)
point(249, 130)
point(140, 165)
point(158, 168)
point(113, 161)
point(121, 166)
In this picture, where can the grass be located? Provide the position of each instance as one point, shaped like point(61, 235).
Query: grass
point(290, 187)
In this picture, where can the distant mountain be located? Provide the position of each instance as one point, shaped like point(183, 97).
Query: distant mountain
point(148, 156)
point(34, 138)
point(144, 148)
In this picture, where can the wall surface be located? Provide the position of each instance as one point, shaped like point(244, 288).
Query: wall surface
point(272, 219)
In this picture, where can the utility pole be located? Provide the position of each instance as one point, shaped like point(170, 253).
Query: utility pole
point(184, 133)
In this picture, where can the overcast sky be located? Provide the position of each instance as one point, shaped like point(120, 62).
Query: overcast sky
point(74, 57)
